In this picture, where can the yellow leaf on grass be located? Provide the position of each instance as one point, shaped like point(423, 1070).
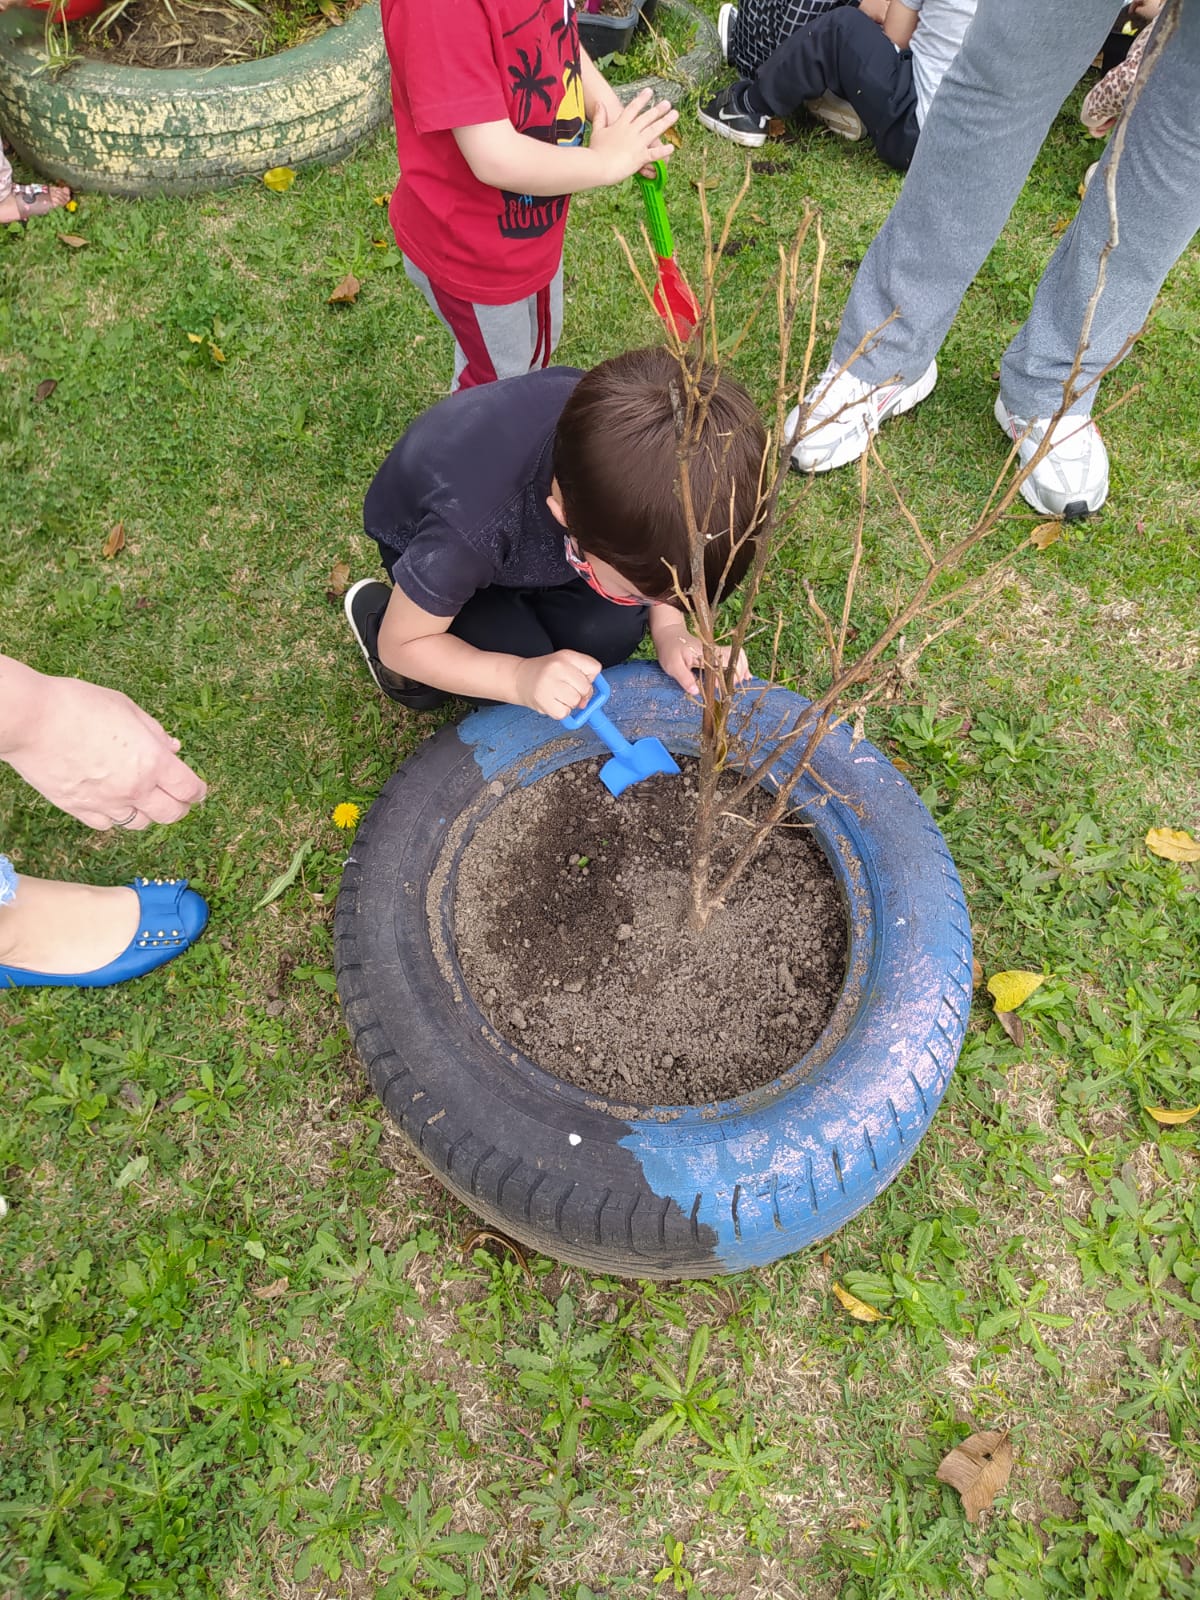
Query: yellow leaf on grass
point(858, 1309)
point(1046, 534)
point(195, 338)
point(72, 241)
point(279, 180)
point(1011, 989)
point(215, 353)
point(1173, 844)
point(115, 542)
point(978, 1470)
point(1169, 1118)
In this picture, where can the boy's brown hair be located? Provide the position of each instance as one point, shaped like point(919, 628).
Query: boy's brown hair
point(617, 470)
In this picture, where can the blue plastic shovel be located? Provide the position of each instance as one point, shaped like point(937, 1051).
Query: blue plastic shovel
point(629, 763)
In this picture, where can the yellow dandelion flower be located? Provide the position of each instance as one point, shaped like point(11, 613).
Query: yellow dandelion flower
point(346, 815)
point(72, 205)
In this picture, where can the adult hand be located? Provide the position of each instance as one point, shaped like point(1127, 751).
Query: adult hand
point(557, 684)
point(635, 139)
point(99, 757)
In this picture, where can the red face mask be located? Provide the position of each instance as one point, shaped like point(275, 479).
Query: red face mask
point(584, 569)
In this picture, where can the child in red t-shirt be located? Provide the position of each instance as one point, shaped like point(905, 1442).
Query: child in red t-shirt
point(490, 99)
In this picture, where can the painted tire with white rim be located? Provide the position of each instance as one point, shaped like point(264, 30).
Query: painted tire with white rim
point(654, 1191)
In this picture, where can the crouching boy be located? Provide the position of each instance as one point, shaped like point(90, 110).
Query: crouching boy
point(530, 528)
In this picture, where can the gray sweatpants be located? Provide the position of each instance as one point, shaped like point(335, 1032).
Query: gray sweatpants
point(1019, 61)
point(493, 342)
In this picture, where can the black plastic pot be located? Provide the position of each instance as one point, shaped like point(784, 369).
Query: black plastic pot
point(603, 36)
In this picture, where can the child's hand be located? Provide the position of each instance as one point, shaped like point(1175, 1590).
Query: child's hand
point(556, 685)
point(680, 654)
point(635, 140)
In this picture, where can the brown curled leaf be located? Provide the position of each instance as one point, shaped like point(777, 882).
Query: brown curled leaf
point(978, 1470)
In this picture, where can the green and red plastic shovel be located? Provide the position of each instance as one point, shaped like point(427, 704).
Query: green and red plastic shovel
point(673, 299)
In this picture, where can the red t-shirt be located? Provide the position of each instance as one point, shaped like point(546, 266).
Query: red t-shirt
point(460, 62)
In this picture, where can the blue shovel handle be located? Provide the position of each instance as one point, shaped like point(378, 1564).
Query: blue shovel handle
point(601, 690)
point(611, 735)
point(591, 712)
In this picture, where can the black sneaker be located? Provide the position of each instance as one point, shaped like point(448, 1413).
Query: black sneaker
point(728, 115)
point(364, 605)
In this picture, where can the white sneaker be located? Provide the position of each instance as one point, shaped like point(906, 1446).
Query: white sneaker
point(838, 115)
point(726, 17)
point(846, 412)
point(1071, 480)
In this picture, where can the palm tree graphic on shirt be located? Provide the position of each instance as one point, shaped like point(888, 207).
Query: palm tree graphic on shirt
point(528, 82)
point(547, 105)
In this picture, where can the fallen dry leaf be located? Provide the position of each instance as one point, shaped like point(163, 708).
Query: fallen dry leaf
point(72, 241)
point(1046, 534)
point(1173, 844)
point(976, 972)
point(1013, 1027)
point(279, 180)
point(346, 292)
point(858, 1309)
point(1011, 989)
point(978, 1469)
point(272, 1291)
point(479, 1236)
point(1170, 1118)
point(45, 389)
point(115, 542)
point(673, 136)
point(339, 578)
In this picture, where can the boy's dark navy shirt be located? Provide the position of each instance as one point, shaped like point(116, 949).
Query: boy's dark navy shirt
point(460, 503)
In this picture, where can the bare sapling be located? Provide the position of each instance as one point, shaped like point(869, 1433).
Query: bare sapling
point(736, 755)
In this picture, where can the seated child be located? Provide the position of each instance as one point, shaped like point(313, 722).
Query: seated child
point(750, 31)
point(529, 528)
point(887, 74)
point(489, 99)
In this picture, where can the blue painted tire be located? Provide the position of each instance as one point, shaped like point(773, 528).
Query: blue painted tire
point(656, 1192)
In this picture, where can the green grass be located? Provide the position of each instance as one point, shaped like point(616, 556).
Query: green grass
point(242, 1350)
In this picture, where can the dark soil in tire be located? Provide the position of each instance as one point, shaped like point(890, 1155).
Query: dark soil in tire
point(569, 927)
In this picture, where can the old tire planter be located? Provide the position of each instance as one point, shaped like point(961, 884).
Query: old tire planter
point(140, 130)
point(654, 1192)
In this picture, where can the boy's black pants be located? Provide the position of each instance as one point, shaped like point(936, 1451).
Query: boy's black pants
point(536, 622)
point(845, 53)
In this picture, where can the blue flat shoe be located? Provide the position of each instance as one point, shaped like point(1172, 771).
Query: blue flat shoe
point(170, 918)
